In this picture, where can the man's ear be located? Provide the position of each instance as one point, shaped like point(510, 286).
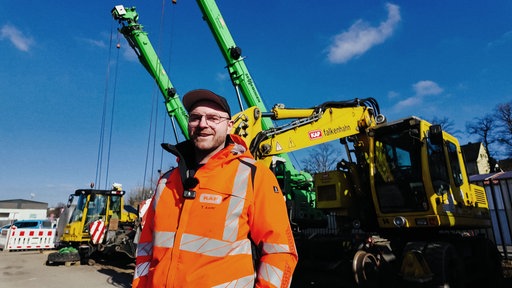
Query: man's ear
point(229, 126)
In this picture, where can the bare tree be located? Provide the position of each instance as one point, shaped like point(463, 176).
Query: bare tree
point(504, 131)
point(322, 158)
point(484, 128)
point(61, 205)
point(143, 193)
point(446, 123)
point(138, 195)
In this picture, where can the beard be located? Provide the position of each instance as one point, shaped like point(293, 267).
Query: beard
point(206, 144)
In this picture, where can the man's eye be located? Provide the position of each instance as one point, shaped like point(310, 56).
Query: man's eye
point(213, 118)
point(195, 117)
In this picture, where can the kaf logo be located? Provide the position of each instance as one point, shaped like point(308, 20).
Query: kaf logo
point(210, 198)
point(315, 134)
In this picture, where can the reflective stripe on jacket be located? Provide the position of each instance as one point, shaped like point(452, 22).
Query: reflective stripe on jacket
point(204, 241)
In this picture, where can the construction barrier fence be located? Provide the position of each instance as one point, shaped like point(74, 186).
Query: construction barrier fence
point(26, 239)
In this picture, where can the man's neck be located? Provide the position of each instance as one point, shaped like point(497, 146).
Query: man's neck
point(203, 156)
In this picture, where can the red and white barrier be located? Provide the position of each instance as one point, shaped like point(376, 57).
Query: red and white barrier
point(26, 239)
point(97, 231)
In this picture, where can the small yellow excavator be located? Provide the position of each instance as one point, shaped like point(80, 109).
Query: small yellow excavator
point(99, 222)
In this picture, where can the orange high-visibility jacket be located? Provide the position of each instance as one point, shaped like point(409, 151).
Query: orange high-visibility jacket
point(206, 241)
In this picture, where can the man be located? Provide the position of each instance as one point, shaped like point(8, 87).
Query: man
point(212, 213)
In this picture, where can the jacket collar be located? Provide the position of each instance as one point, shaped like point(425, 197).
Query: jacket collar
point(184, 151)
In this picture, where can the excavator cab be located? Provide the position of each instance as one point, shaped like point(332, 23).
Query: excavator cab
point(398, 180)
point(92, 205)
point(419, 178)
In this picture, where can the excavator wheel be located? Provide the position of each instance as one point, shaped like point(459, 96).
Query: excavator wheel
point(68, 259)
point(446, 265)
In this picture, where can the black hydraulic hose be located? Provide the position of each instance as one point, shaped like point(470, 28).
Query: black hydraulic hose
point(368, 102)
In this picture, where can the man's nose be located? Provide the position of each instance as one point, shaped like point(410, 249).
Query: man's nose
point(202, 121)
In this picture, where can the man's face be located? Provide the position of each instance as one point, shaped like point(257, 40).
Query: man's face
point(208, 126)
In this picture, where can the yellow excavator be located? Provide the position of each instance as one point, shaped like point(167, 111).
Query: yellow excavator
point(98, 222)
point(401, 203)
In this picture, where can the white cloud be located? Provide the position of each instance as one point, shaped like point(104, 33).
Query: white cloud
point(221, 77)
point(421, 89)
point(426, 87)
point(126, 50)
point(95, 43)
point(361, 37)
point(20, 41)
point(128, 53)
point(92, 42)
point(505, 38)
point(409, 102)
point(393, 95)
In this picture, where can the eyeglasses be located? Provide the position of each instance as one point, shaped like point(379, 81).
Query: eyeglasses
point(211, 119)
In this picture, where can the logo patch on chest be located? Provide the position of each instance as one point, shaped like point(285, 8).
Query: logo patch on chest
point(210, 198)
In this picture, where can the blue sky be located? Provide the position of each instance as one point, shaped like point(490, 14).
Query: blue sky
point(58, 64)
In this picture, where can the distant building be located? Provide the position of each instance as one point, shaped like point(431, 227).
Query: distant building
point(20, 209)
point(476, 157)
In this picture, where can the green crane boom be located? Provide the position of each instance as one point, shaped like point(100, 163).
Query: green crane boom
point(240, 76)
point(238, 72)
point(139, 41)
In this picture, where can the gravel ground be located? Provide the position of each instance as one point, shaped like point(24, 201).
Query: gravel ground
point(29, 269)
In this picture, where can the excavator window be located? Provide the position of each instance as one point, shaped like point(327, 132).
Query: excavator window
point(279, 170)
point(438, 168)
point(398, 180)
point(115, 206)
point(96, 209)
point(454, 163)
point(79, 209)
